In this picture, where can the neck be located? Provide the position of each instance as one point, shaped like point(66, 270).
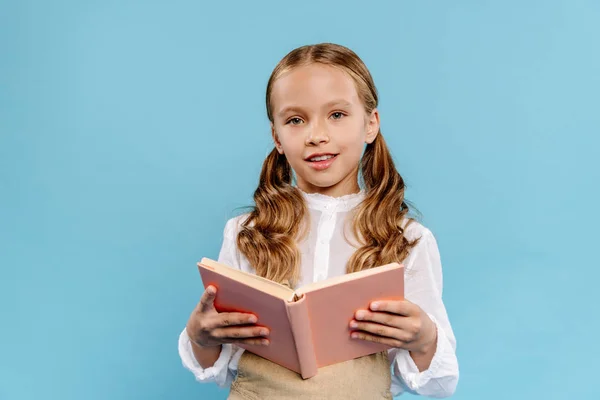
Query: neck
point(346, 186)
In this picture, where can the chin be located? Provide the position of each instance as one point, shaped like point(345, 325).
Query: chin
point(323, 184)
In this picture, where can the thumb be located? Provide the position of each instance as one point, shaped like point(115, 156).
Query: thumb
point(208, 298)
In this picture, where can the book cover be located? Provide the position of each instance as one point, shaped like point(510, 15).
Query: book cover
point(309, 327)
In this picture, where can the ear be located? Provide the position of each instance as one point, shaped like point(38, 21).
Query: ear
point(372, 126)
point(276, 139)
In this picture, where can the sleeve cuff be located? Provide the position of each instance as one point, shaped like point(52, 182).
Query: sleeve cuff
point(218, 373)
point(439, 380)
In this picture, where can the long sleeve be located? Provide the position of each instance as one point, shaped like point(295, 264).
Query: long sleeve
point(225, 368)
point(423, 286)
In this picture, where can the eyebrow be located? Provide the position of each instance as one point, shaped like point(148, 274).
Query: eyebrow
point(337, 102)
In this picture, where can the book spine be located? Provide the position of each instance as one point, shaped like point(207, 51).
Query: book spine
point(300, 322)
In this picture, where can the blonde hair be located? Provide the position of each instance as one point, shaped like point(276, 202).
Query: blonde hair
point(269, 234)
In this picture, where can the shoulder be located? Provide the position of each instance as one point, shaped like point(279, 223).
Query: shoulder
point(233, 225)
point(414, 230)
point(426, 251)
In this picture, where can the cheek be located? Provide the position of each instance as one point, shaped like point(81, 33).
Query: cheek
point(353, 145)
point(353, 154)
point(292, 145)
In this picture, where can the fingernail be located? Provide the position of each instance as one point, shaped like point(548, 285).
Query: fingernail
point(360, 315)
point(374, 306)
point(353, 324)
point(354, 335)
point(264, 332)
point(265, 342)
point(253, 319)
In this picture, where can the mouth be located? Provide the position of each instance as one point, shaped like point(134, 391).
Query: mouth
point(321, 161)
point(320, 157)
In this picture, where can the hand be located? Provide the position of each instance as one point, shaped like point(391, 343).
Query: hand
point(399, 324)
point(209, 328)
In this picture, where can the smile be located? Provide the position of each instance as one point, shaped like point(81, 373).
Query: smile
point(321, 158)
point(321, 162)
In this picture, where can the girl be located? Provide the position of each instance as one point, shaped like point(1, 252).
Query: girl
point(345, 212)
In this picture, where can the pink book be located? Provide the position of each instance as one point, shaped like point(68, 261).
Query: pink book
point(310, 326)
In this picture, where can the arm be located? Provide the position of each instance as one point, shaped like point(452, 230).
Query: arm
point(221, 372)
point(217, 362)
point(434, 371)
point(206, 356)
point(423, 346)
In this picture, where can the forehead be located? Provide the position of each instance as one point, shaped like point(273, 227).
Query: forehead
point(311, 86)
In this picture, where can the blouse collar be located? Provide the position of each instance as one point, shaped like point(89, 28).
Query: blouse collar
point(321, 202)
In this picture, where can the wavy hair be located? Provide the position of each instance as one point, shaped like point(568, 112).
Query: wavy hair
point(269, 234)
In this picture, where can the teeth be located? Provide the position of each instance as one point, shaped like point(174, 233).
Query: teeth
point(321, 158)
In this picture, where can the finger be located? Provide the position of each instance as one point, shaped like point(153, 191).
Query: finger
point(384, 318)
point(235, 333)
point(253, 341)
point(409, 328)
point(378, 339)
point(235, 318)
point(207, 299)
point(400, 307)
point(380, 330)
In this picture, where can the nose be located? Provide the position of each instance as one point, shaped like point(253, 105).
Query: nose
point(317, 135)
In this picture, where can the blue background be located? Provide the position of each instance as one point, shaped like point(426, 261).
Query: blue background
point(130, 131)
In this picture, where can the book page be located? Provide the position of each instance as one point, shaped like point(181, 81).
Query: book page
point(345, 278)
point(255, 281)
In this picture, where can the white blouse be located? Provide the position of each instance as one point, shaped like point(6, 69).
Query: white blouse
point(325, 252)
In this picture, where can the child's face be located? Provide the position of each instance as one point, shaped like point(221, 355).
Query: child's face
point(317, 111)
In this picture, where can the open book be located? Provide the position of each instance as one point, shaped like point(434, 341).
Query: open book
point(310, 326)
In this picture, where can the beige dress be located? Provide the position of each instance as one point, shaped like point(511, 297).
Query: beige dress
point(363, 378)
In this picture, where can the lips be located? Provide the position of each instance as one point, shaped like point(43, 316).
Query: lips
point(320, 157)
point(321, 162)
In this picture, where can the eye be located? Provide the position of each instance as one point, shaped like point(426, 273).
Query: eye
point(294, 121)
point(337, 115)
